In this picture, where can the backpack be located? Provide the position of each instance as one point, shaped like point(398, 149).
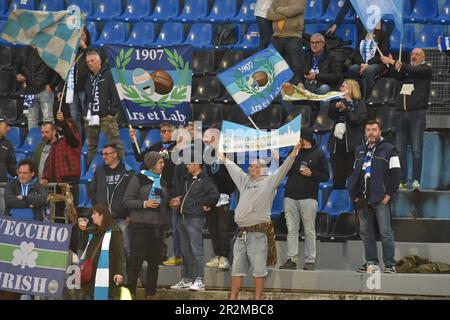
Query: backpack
point(225, 35)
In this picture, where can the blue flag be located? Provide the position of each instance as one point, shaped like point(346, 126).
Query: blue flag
point(154, 84)
point(370, 12)
point(257, 80)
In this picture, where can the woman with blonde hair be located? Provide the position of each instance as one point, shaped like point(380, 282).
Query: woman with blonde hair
point(349, 114)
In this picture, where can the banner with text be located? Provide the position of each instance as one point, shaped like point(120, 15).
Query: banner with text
point(33, 256)
point(154, 84)
point(238, 138)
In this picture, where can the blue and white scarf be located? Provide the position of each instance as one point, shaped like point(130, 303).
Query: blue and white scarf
point(155, 191)
point(102, 274)
point(368, 49)
point(444, 44)
point(70, 86)
point(367, 165)
point(28, 100)
point(315, 63)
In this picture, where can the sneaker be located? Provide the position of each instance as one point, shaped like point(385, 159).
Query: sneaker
point(173, 261)
point(182, 285)
point(223, 263)
point(213, 263)
point(402, 186)
point(369, 267)
point(309, 266)
point(198, 285)
point(289, 264)
point(416, 185)
point(390, 269)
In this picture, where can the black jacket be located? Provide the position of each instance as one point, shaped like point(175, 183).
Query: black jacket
point(36, 71)
point(381, 38)
point(81, 71)
point(220, 177)
point(300, 187)
point(7, 159)
point(196, 194)
point(354, 116)
point(385, 176)
point(108, 100)
point(330, 70)
point(420, 77)
point(112, 197)
point(137, 192)
point(37, 197)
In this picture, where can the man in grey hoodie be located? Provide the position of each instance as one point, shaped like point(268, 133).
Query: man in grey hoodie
point(255, 241)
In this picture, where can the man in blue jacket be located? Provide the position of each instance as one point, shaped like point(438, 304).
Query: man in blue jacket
point(373, 183)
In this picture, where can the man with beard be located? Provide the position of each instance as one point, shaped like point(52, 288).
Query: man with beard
point(48, 133)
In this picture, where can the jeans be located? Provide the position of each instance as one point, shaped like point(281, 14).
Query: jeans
point(367, 233)
point(176, 233)
point(126, 241)
point(191, 232)
point(341, 164)
point(43, 102)
point(368, 76)
point(76, 108)
point(306, 210)
point(290, 49)
point(265, 32)
point(250, 252)
point(2, 201)
point(410, 127)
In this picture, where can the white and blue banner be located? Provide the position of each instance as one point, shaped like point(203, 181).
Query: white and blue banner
point(238, 138)
point(370, 12)
point(154, 84)
point(33, 256)
point(444, 43)
point(257, 80)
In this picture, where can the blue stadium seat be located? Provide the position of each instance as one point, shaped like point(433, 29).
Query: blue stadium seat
point(95, 163)
point(200, 36)
point(31, 141)
point(246, 13)
point(314, 10)
point(222, 11)
point(428, 36)
point(3, 7)
point(13, 135)
point(51, 5)
point(106, 10)
point(312, 28)
point(113, 32)
point(432, 161)
point(323, 142)
point(86, 6)
point(332, 11)
point(151, 138)
point(102, 140)
point(83, 164)
point(423, 11)
point(409, 39)
point(91, 26)
point(444, 15)
point(348, 32)
point(19, 157)
point(172, 33)
point(278, 203)
point(345, 227)
point(126, 140)
point(164, 11)
point(135, 11)
point(134, 165)
point(18, 4)
point(83, 198)
point(193, 11)
point(143, 34)
point(250, 40)
point(338, 203)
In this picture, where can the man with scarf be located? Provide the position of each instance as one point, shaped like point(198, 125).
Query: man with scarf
point(373, 183)
point(147, 200)
point(103, 104)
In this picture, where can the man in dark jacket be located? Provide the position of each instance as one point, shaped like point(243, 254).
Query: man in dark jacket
point(103, 104)
point(39, 82)
point(7, 159)
point(198, 196)
point(147, 199)
point(371, 186)
point(412, 104)
point(25, 197)
point(309, 169)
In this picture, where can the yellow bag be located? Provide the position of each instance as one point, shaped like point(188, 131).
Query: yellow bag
point(125, 293)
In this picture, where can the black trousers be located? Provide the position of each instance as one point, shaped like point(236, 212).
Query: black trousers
point(146, 243)
point(218, 220)
point(342, 165)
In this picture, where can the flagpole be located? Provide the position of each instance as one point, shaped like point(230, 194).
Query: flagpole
point(65, 83)
point(135, 139)
point(376, 46)
point(253, 123)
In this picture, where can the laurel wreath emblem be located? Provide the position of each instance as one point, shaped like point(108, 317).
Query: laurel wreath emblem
point(176, 96)
point(243, 86)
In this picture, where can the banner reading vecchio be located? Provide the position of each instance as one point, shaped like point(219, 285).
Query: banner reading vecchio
point(33, 256)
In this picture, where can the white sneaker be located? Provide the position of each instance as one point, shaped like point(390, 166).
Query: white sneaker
point(223, 263)
point(403, 187)
point(213, 263)
point(416, 185)
point(182, 285)
point(198, 285)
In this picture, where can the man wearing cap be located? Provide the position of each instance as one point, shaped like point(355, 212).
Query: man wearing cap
point(147, 200)
point(7, 159)
point(309, 169)
point(255, 242)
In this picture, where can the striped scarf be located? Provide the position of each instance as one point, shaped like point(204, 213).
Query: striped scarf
point(367, 165)
point(367, 49)
point(155, 191)
point(102, 273)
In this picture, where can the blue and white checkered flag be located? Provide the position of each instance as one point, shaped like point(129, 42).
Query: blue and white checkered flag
point(56, 35)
